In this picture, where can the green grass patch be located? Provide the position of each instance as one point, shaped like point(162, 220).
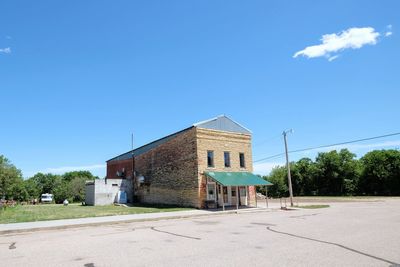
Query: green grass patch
point(313, 206)
point(45, 212)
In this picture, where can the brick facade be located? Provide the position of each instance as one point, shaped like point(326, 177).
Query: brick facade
point(170, 172)
point(173, 171)
point(124, 167)
point(220, 142)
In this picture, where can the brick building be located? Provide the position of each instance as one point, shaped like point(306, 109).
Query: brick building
point(205, 164)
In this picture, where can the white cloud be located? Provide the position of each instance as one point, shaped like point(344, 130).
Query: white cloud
point(333, 58)
point(353, 38)
point(6, 50)
point(61, 170)
point(388, 30)
point(265, 168)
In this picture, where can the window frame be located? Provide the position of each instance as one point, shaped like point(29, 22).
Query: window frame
point(227, 159)
point(212, 159)
point(242, 166)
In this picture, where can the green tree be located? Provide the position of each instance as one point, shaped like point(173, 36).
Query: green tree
point(46, 182)
point(76, 184)
point(380, 173)
point(303, 173)
point(62, 191)
point(10, 181)
point(277, 178)
point(336, 173)
point(77, 188)
point(32, 189)
point(69, 176)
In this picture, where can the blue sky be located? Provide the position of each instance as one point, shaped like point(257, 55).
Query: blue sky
point(78, 77)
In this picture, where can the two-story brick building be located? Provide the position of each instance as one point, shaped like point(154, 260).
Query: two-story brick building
point(211, 161)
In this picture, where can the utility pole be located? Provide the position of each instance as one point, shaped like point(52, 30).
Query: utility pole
point(288, 166)
point(132, 140)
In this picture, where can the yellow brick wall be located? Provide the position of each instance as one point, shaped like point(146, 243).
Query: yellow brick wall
point(219, 142)
point(175, 169)
point(171, 171)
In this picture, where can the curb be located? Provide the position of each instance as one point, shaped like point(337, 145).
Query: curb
point(79, 225)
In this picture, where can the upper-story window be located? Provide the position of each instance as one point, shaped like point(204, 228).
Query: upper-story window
point(242, 162)
point(227, 159)
point(210, 159)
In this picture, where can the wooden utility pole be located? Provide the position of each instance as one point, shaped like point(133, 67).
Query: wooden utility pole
point(288, 167)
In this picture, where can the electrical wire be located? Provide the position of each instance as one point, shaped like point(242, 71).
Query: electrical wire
point(325, 146)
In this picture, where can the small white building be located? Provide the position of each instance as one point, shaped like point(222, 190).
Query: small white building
point(108, 191)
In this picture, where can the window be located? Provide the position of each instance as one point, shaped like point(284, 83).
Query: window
point(227, 159)
point(210, 158)
point(210, 191)
point(233, 192)
point(242, 161)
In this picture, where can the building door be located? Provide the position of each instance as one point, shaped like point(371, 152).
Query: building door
point(233, 195)
point(225, 193)
point(243, 195)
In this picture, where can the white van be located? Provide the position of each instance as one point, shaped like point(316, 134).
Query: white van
point(46, 198)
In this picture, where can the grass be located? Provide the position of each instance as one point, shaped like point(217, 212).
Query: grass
point(313, 206)
point(31, 213)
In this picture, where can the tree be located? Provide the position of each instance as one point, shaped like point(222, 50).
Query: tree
point(69, 176)
point(10, 181)
point(46, 182)
point(76, 184)
point(277, 178)
point(61, 191)
point(303, 177)
point(380, 173)
point(77, 189)
point(32, 189)
point(336, 173)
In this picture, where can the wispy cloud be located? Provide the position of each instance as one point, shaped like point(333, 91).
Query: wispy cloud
point(388, 30)
point(6, 50)
point(333, 58)
point(64, 169)
point(353, 38)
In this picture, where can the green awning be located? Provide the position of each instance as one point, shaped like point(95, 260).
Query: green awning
point(237, 178)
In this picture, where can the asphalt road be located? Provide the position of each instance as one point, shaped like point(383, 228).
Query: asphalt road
point(346, 234)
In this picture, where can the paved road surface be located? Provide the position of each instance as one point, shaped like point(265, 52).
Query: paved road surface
point(346, 234)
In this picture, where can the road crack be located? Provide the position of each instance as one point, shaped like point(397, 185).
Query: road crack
point(170, 233)
point(335, 244)
point(12, 246)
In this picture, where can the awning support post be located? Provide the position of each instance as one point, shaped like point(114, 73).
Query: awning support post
point(223, 200)
point(237, 198)
point(255, 194)
point(266, 195)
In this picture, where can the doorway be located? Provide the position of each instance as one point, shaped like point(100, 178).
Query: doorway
point(225, 195)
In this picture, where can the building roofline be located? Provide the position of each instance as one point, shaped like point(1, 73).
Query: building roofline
point(220, 116)
point(152, 142)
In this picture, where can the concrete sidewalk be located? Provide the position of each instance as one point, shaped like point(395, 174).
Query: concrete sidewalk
point(68, 223)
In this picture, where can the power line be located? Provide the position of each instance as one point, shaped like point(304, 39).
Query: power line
point(268, 140)
point(331, 145)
